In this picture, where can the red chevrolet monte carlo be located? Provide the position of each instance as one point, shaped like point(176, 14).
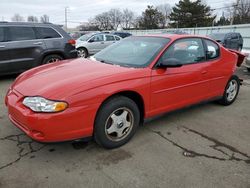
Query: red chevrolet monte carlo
point(110, 94)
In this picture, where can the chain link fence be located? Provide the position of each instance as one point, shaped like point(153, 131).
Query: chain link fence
point(243, 29)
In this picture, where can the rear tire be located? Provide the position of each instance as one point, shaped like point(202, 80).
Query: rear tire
point(52, 59)
point(248, 69)
point(116, 122)
point(82, 52)
point(231, 91)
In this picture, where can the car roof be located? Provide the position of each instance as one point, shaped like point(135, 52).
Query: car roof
point(177, 36)
point(25, 24)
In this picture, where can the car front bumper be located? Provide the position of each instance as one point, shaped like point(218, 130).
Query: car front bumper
point(50, 127)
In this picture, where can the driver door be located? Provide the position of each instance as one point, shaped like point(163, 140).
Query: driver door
point(172, 88)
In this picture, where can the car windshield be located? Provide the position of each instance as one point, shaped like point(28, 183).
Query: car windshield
point(217, 36)
point(86, 37)
point(133, 51)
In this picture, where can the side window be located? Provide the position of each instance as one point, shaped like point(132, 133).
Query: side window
point(21, 33)
point(97, 38)
point(117, 38)
point(110, 38)
point(1, 34)
point(187, 51)
point(46, 33)
point(213, 50)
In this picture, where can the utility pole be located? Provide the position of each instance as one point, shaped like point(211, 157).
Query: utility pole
point(234, 11)
point(66, 18)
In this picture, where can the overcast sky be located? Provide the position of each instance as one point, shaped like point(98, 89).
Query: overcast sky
point(80, 10)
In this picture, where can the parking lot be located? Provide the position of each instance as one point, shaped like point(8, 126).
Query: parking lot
point(207, 145)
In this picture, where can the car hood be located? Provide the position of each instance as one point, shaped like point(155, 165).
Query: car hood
point(65, 78)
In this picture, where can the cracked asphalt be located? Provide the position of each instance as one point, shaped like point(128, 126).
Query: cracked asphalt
point(206, 145)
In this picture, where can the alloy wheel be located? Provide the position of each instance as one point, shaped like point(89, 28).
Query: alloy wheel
point(119, 124)
point(232, 89)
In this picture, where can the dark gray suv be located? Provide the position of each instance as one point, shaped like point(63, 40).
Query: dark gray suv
point(231, 40)
point(27, 45)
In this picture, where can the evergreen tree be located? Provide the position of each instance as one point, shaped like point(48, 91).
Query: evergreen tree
point(151, 18)
point(189, 13)
point(222, 21)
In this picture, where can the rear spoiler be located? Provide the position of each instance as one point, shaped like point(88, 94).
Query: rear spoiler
point(241, 57)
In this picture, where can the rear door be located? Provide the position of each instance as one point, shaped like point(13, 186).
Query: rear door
point(51, 38)
point(4, 52)
point(25, 49)
point(109, 39)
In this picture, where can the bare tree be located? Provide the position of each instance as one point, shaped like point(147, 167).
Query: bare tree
point(128, 18)
point(165, 9)
point(44, 19)
point(17, 18)
point(115, 17)
point(242, 11)
point(103, 21)
point(32, 19)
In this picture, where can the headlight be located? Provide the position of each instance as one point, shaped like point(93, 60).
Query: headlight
point(39, 104)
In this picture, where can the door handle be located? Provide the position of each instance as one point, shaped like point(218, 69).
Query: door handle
point(204, 72)
point(37, 43)
point(102, 42)
point(2, 46)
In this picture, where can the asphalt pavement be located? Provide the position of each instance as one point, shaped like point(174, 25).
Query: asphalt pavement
point(207, 145)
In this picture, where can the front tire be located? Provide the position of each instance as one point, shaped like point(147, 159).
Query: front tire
point(231, 91)
point(116, 122)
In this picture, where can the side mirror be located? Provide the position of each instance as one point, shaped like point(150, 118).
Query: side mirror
point(170, 62)
point(91, 40)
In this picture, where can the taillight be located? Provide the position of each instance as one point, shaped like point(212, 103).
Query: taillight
point(72, 42)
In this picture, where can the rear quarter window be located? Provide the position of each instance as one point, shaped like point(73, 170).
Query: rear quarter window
point(110, 38)
point(212, 50)
point(47, 33)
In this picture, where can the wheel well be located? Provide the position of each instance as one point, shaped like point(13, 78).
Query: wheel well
point(137, 98)
point(53, 53)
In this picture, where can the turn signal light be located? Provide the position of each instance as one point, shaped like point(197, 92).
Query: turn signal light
point(60, 106)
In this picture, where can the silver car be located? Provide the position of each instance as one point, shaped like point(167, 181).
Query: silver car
point(247, 59)
point(92, 43)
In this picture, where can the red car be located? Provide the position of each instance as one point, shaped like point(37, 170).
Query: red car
point(110, 94)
